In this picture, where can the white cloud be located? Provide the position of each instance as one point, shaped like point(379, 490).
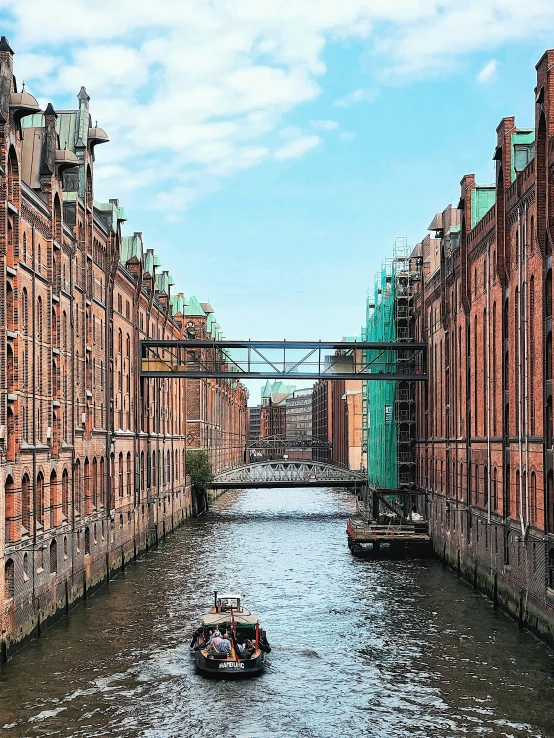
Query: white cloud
point(203, 87)
point(324, 125)
point(369, 94)
point(347, 136)
point(297, 147)
point(488, 73)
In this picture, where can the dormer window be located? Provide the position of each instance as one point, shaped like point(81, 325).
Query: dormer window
point(523, 154)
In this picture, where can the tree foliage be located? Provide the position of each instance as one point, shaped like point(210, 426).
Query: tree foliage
point(199, 468)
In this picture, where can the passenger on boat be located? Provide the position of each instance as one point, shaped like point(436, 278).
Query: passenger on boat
point(247, 649)
point(212, 634)
point(219, 646)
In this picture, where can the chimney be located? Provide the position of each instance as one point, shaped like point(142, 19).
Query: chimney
point(6, 76)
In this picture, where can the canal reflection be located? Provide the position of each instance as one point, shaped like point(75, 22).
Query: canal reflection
point(360, 648)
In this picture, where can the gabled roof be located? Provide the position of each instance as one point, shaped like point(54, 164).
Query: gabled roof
point(131, 248)
point(192, 307)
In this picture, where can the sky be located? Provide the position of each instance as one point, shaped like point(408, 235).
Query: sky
point(271, 151)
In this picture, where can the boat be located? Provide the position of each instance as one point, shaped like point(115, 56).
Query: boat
point(249, 644)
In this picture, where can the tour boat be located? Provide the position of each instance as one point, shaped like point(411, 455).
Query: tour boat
point(248, 641)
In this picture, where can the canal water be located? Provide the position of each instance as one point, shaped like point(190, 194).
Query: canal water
point(360, 648)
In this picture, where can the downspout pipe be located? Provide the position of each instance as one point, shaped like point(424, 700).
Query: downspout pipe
point(488, 370)
point(519, 374)
point(526, 365)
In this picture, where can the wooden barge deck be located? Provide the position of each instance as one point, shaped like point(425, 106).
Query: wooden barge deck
point(374, 540)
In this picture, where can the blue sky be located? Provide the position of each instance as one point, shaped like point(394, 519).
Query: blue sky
point(271, 152)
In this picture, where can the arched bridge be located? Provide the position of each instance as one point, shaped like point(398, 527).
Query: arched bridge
point(288, 473)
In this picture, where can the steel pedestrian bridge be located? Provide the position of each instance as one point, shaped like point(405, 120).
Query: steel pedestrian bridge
point(288, 473)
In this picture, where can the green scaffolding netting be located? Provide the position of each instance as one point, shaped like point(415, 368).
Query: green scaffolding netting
point(381, 424)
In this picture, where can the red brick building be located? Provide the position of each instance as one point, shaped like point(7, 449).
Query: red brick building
point(484, 306)
point(92, 461)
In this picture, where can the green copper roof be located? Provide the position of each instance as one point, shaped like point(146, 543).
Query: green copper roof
point(178, 304)
point(193, 307)
point(67, 127)
point(163, 282)
point(33, 121)
point(110, 211)
point(483, 198)
point(131, 248)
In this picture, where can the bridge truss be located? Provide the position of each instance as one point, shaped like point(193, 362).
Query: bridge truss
point(281, 443)
point(288, 473)
point(196, 359)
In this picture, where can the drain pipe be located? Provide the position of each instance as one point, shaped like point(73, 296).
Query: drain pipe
point(526, 359)
point(519, 374)
point(488, 370)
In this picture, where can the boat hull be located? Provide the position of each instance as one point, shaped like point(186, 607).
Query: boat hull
point(228, 669)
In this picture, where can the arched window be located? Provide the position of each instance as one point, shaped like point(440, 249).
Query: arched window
point(88, 498)
point(128, 473)
point(39, 318)
point(95, 484)
point(26, 503)
point(53, 557)
point(128, 346)
point(549, 294)
point(9, 489)
point(120, 342)
point(9, 579)
point(103, 500)
point(549, 356)
point(486, 490)
point(65, 494)
point(24, 317)
point(54, 503)
point(39, 513)
point(77, 487)
point(508, 493)
point(120, 470)
point(24, 244)
point(495, 489)
point(142, 470)
point(533, 501)
point(87, 541)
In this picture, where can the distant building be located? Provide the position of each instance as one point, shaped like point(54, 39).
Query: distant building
point(254, 419)
point(273, 410)
point(299, 420)
point(337, 418)
point(322, 429)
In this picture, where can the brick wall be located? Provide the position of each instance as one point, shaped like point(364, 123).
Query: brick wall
point(92, 460)
point(485, 418)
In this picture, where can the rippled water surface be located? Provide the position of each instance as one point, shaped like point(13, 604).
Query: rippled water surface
point(359, 648)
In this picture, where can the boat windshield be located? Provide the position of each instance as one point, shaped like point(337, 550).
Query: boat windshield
point(227, 602)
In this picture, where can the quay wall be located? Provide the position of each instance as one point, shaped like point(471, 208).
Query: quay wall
point(518, 587)
point(91, 554)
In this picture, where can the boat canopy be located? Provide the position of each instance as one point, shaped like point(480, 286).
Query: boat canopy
point(220, 618)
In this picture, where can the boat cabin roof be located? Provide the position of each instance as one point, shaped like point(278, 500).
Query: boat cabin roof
point(226, 596)
point(221, 618)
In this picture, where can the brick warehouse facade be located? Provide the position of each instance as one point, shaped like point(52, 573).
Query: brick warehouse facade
point(484, 421)
point(92, 461)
